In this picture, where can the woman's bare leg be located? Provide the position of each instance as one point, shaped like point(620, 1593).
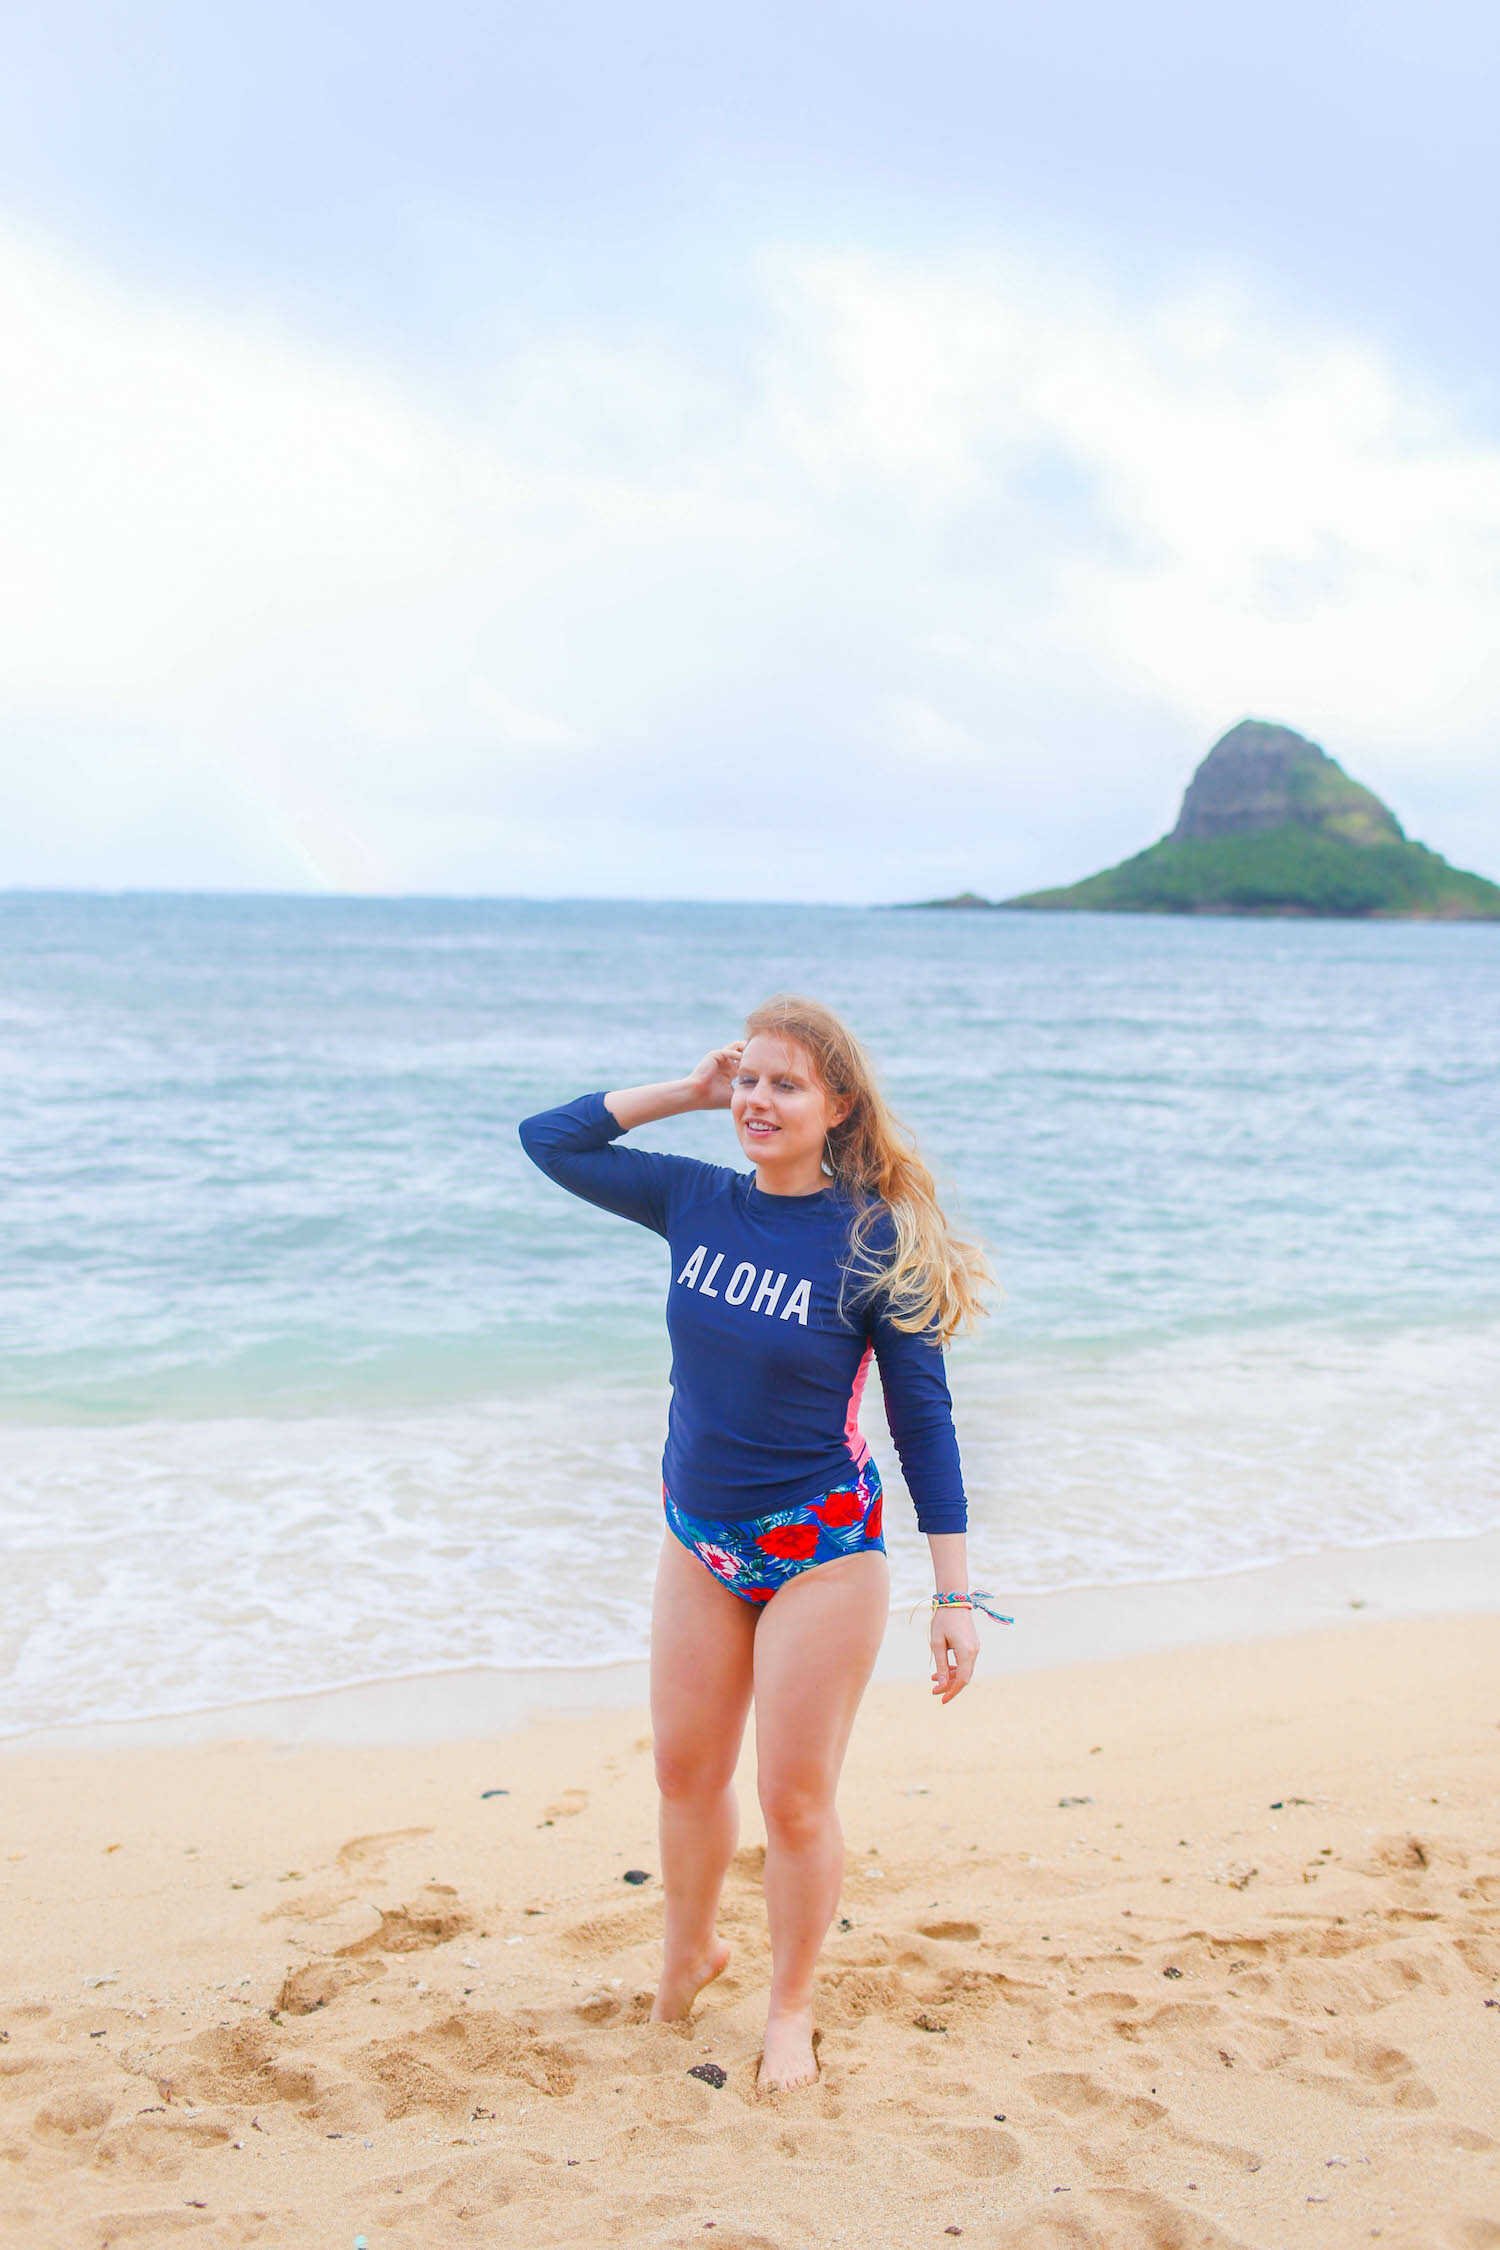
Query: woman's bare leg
point(702, 1643)
point(815, 1649)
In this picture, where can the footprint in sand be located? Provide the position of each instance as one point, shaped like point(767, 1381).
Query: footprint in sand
point(983, 2152)
point(851, 1996)
point(1375, 2073)
point(433, 1917)
point(599, 2007)
point(406, 2083)
point(1078, 2095)
point(369, 1853)
point(72, 2117)
point(450, 2064)
point(160, 2147)
point(571, 1801)
point(310, 1906)
point(1113, 2015)
point(475, 2189)
point(151, 2226)
point(602, 1934)
point(958, 1933)
point(313, 1986)
point(1186, 2015)
point(1117, 2218)
point(1469, 2137)
point(977, 1988)
point(232, 2063)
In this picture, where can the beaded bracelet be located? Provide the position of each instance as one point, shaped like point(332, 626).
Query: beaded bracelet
point(972, 1600)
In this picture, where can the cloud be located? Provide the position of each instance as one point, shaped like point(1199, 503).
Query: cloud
point(1273, 516)
point(967, 560)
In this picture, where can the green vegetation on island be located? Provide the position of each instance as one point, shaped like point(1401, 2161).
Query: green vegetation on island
point(1272, 825)
point(1280, 871)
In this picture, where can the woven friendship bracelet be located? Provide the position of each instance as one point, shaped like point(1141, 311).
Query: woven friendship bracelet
point(973, 1600)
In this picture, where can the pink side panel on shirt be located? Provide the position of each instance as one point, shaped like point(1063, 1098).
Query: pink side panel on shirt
point(859, 1452)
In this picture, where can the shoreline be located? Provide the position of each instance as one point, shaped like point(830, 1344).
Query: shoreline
point(1054, 1631)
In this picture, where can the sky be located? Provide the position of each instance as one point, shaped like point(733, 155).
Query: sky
point(808, 452)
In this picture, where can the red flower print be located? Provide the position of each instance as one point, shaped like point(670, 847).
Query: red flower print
point(838, 1509)
point(793, 1541)
point(759, 1593)
point(875, 1518)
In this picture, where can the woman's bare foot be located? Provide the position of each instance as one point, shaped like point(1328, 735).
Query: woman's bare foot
point(677, 1992)
point(787, 2058)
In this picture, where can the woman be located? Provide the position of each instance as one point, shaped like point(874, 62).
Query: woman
point(773, 1582)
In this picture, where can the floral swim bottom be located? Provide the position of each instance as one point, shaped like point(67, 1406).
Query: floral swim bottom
point(758, 1554)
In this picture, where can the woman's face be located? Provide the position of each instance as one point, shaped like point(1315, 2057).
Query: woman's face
point(782, 1110)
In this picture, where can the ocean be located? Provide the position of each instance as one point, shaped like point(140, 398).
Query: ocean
point(307, 1377)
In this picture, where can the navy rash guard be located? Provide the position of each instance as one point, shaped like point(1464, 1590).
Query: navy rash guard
point(767, 1376)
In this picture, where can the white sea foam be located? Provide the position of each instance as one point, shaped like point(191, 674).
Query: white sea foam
point(175, 1565)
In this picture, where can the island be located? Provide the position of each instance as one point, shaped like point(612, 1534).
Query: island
point(1270, 824)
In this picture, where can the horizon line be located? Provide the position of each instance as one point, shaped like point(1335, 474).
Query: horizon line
point(433, 898)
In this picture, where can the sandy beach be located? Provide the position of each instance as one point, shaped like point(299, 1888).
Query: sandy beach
point(1187, 1947)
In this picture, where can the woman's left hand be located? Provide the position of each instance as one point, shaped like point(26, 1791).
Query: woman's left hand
point(955, 1650)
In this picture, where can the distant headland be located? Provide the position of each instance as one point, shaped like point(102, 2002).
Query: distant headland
point(1270, 824)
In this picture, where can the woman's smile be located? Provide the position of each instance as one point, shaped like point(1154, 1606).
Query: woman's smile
point(782, 1114)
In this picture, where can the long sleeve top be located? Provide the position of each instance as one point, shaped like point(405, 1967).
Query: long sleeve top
point(767, 1369)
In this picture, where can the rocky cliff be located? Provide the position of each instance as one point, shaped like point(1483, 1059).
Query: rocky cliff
point(1259, 776)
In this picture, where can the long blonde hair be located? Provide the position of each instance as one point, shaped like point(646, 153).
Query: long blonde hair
point(930, 1277)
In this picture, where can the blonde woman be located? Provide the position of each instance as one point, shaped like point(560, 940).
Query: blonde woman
point(773, 1582)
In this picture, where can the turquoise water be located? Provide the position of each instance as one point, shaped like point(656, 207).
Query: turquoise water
point(305, 1376)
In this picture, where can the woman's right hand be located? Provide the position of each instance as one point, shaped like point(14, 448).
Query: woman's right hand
point(714, 1077)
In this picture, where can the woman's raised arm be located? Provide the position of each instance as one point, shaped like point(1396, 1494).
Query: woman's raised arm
point(707, 1087)
point(572, 1144)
